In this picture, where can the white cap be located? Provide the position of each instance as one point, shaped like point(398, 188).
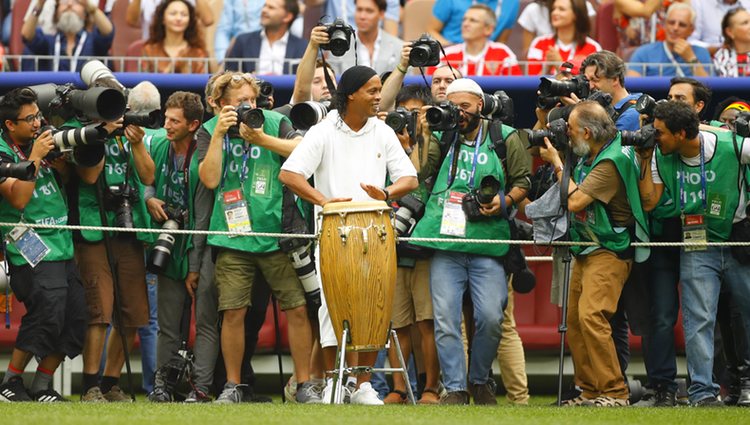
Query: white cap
point(465, 85)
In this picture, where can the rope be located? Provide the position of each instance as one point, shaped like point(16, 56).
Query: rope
point(312, 237)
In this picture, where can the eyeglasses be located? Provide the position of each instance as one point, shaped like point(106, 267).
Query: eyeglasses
point(31, 118)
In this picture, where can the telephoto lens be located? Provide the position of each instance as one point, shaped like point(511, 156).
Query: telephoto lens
point(124, 214)
point(23, 170)
point(161, 252)
point(306, 114)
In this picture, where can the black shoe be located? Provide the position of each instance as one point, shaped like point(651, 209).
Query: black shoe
point(571, 394)
point(710, 401)
point(13, 390)
point(456, 397)
point(49, 396)
point(160, 395)
point(483, 395)
point(663, 398)
point(744, 399)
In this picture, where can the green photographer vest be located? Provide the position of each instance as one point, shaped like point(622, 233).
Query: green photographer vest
point(175, 187)
point(117, 160)
point(46, 206)
point(724, 181)
point(594, 224)
point(261, 188)
point(496, 228)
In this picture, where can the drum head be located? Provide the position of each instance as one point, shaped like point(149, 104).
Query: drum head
point(362, 206)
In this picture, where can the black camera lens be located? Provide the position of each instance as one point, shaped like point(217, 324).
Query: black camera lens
point(645, 138)
point(23, 170)
point(425, 51)
point(444, 116)
point(488, 188)
point(152, 120)
point(307, 114)
point(124, 215)
point(578, 85)
point(398, 119)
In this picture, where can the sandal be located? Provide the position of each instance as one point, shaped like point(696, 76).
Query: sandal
point(395, 397)
point(433, 399)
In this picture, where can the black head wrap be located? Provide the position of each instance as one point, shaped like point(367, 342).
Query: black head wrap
point(354, 78)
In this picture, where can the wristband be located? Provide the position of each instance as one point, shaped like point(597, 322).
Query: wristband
point(402, 70)
point(511, 199)
point(387, 194)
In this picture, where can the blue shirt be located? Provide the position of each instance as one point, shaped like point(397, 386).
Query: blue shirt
point(451, 14)
point(344, 9)
point(629, 119)
point(237, 17)
point(95, 45)
point(653, 56)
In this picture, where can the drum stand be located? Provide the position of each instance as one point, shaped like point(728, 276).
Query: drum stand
point(338, 373)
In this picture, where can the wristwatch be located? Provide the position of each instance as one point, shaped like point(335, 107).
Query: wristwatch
point(387, 194)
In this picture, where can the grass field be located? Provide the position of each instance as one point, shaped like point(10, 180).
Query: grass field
point(271, 414)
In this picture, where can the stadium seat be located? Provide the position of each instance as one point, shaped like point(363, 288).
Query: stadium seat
point(125, 34)
point(606, 33)
point(16, 42)
point(135, 49)
point(416, 16)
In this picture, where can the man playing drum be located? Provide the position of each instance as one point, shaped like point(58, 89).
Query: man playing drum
point(349, 154)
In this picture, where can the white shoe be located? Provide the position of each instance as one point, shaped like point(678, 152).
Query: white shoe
point(327, 392)
point(366, 395)
point(290, 391)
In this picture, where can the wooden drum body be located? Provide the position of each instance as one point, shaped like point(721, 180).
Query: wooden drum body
point(358, 271)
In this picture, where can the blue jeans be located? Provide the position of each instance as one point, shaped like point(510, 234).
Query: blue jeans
point(147, 335)
point(701, 274)
point(380, 384)
point(660, 358)
point(451, 274)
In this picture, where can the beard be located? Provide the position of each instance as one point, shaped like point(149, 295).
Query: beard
point(471, 124)
point(582, 149)
point(70, 22)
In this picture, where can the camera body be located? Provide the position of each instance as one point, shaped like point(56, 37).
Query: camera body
point(645, 138)
point(251, 117)
point(425, 51)
point(263, 101)
point(444, 116)
point(339, 37)
point(402, 118)
point(120, 199)
point(645, 105)
point(742, 124)
point(578, 85)
point(498, 106)
point(557, 133)
point(152, 119)
point(410, 210)
point(471, 202)
point(161, 252)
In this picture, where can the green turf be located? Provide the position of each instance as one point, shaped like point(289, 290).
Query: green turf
point(262, 414)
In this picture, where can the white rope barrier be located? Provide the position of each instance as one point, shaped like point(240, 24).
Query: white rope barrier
point(308, 236)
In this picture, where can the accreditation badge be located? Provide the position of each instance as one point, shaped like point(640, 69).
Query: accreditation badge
point(717, 205)
point(236, 212)
point(28, 243)
point(694, 230)
point(453, 222)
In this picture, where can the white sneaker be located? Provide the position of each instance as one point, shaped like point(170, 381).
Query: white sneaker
point(290, 391)
point(366, 395)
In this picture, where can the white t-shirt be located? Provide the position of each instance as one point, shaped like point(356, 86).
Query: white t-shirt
point(535, 18)
point(341, 159)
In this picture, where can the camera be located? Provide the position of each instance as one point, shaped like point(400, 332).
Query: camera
point(23, 170)
point(402, 118)
point(120, 199)
point(425, 51)
point(557, 133)
point(645, 106)
point(410, 210)
point(645, 138)
point(251, 117)
point(443, 117)
point(96, 103)
point(546, 103)
point(298, 251)
point(152, 120)
point(161, 252)
point(96, 74)
point(307, 114)
point(488, 188)
point(742, 124)
point(339, 37)
point(263, 101)
point(498, 106)
point(578, 85)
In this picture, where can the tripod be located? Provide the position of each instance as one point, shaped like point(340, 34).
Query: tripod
point(566, 258)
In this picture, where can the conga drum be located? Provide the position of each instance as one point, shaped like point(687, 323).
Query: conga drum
point(358, 271)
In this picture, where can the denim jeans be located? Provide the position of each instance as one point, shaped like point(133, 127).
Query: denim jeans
point(701, 274)
point(660, 358)
point(147, 335)
point(451, 274)
point(379, 382)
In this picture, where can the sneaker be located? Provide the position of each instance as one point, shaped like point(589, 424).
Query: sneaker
point(575, 401)
point(117, 395)
point(231, 394)
point(483, 395)
point(160, 395)
point(604, 401)
point(49, 396)
point(709, 401)
point(327, 393)
point(455, 397)
point(93, 395)
point(307, 393)
point(664, 399)
point(197, 396)
point(349, 389)
point(366, 395)
point(290, 391)
point(13, 390)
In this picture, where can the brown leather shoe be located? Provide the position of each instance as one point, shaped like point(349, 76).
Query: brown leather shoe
point(456, 397)
point(483, 395)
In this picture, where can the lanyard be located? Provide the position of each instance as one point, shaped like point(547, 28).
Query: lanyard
point(683, 194)
point(451, 175)
point(670, 56)
point(172, 167)
point(22, 155)
point(76, 52)
point(243, 166)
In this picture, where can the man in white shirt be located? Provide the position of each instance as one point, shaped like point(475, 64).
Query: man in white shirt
point(707, 31)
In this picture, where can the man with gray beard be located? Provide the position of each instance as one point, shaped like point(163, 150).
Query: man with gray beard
point(72, 42)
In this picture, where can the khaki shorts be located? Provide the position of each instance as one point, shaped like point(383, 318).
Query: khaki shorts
point(411, 300)
point(96, 276)
point(235, 273)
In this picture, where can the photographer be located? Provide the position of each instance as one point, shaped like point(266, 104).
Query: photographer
point(116, 195)
point(606, 73)
point(43, 275)
point(608, 212)
point(457, 209)
point(700, 172)
point(242, 164)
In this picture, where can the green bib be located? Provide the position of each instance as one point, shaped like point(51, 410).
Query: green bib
point(495, 228)
point(261, 189)
point(173, 188)
point(46, 206)
point(594, 224)
point(723, 184)
point(117, 160)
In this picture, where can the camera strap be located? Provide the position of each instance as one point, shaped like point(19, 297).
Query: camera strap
point(172, 167)
point(76, 52)
point(225, 165)
point(704, 190)
point(452, 170)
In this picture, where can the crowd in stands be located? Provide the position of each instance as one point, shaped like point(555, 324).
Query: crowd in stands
point(518, 37)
